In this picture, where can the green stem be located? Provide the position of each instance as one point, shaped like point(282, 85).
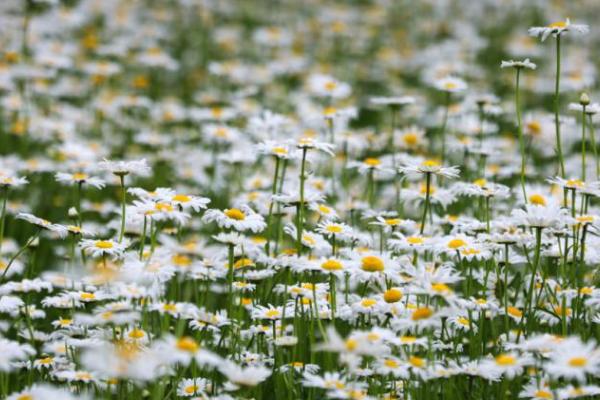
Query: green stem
point(426, 206)
point(21, 250)
point(556, 109)
point(143, 239)
point(3, 215)
point(583, 164)
point(123, 200)
point(270, 215)
point(520, 131)
point(301, 205)
point(444, 123)
point(594, 148)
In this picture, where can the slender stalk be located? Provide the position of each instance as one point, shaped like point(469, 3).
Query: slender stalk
point(3, 215)
point(556, 110)
point(536, 260)
point(426, 205)
point(230, 255)
point(520, 131)
point(444, 123)
point(18, 253)
point(123, 200)
point(143, 238)
point(594, 148)
point(270, 215)
point(301, 205)
point(583, 164)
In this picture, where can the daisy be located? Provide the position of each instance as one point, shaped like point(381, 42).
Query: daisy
point(42, 392)
point(305, 143)
point(430, 167)
point(184, 201)
point(244, 377)
point(101, 248)
point(122, 168)
point(450, 84)
point(11, 181)
point(239, 219)
point(557, 28)
point(43, 224)
point(540, 216)
point(193, 387)
point(573, 359)
point(393, 101)
point(507, 364)
point(79, 178)
point(327, 86)
point(518, 64)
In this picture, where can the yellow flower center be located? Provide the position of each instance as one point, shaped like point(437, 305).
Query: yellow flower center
point(584, 290)
point(332, 265)
point(182, 198)
point(45, 361)
point(408, 339)
point(334, 228)
point(87, 296)
point(368, 303)
point(470, 251)
point(235, 213)
point(243, 262)
point(450, 85)
point(514, 311)
point(559, 25)
point(392, 295)
point(391, 363)
point(585, 218)
point(372, 264)
point(534, 127)
point(560, 311)
point(505, 360)
point(456, 244)
point(187, 344)
point(309, 239)
point(351, 344)
point(272, 313)
point(169, 307)
point(417, 361)
point(104, 244)
point(372, 162)
point(421, 313)
point(414, 240)
point(537, 199)
point(79, 176)
point(329, 111)
point(575, 183)
point(280, 150)
point(440, 287)
point(191, 389)
point(330, 86)
point(543, 394)
point(181, 260)
point(480, 182)
point(136, 334)
point(163, 207)
point(25, 397)
point(410, 139)
point(463, 321)
point(430, 163)
point(578, 362)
